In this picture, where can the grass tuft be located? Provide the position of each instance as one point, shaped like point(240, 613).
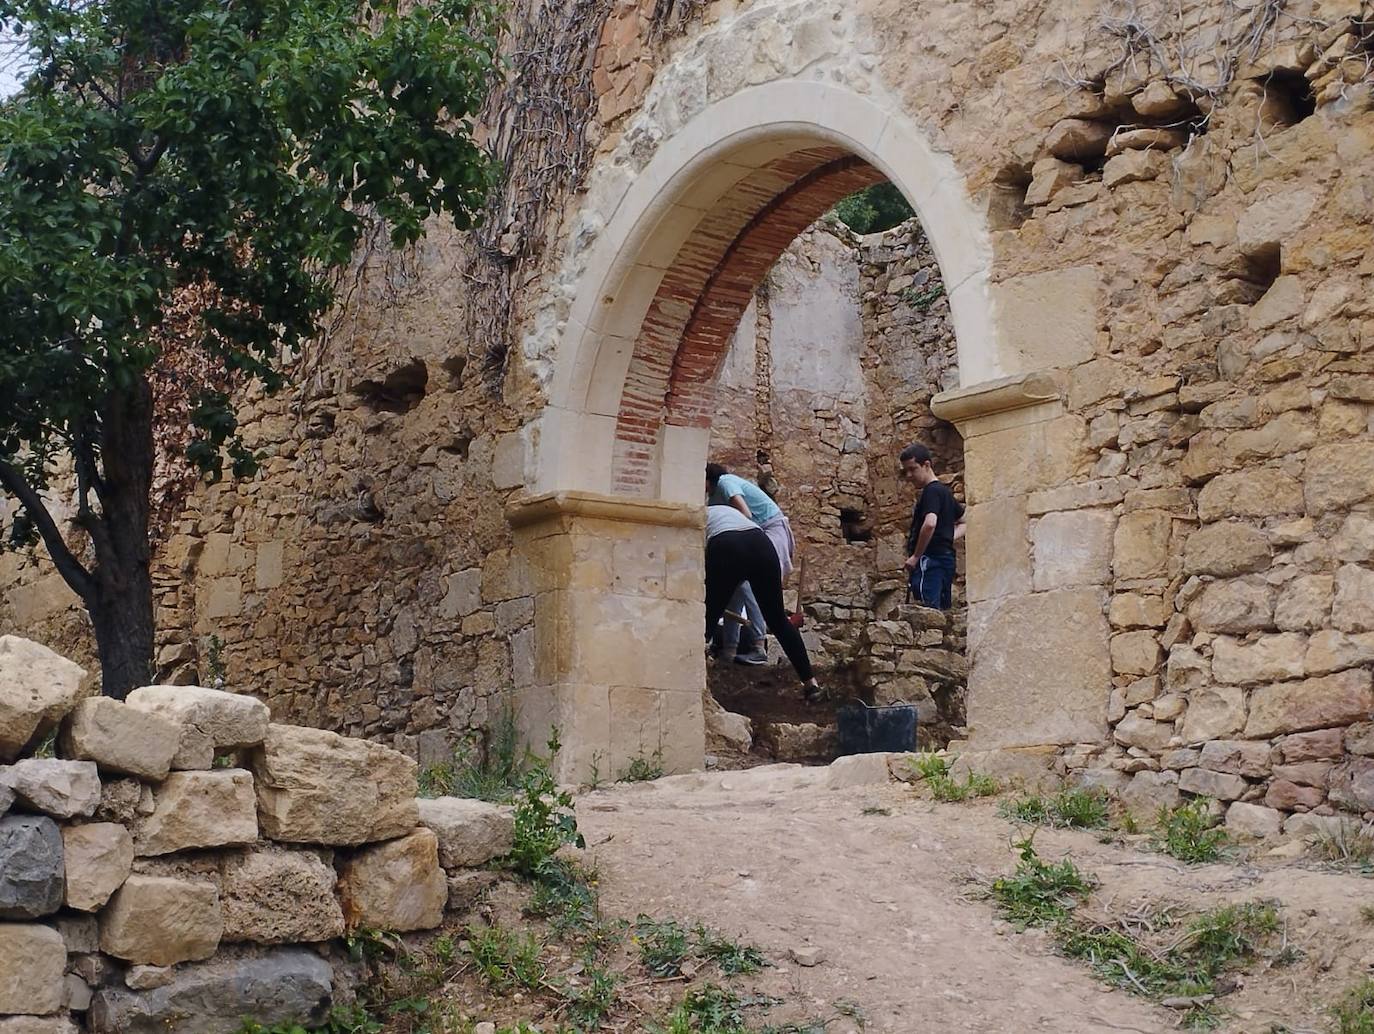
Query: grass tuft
point(663, 945)
point(934, 769)
point(1078, 809)
point(1040, 893)
point(492, 775)
point(643, 768)
point(506, 960)
point(1354, 1014)
point(1189, 832)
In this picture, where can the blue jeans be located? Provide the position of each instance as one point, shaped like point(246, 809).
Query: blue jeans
point(743, 602)
point(933, 581)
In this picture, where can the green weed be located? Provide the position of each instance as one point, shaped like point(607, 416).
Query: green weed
point(352, 1019)
point(663, 946)
point(1354, 1014)
point(934, 769)
point(1189, 833)
point(1040, 893)
point(708, 1009)
point(873, 809)
point(563, 894)
point(1079, 809)
point(643, 768)
point(1367, 913)
point(544, 818)
point(495, 774)
point(730, 957)
point(506, 959)
point(591, 1001)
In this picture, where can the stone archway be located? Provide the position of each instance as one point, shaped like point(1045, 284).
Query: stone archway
point(611, 531)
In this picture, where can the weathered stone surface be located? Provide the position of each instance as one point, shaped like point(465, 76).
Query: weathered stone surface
point(123, 800)
point(80, 933)
point(1313, 826)
point(725, 730)
point(795, 741)
point(1074, 139)
point(1149, 138)
point(161, 920)
point(1359, 739)
point(1305, 603)
point(1186, 669)
point(1217, 785)
point(1225, 549)
point(99, 856)
point(467, 887)
point(275, 895)
point(1289, 796)
point(1269, 658)
point(1048, 177)
point(1026, 768)
point(1330, 650)
point(1238, 757)
point(1305, 773)
point(30, 867)
point(1235, 605)
point(1354, 542)
point(1310, 704)
point(1072, 548)
point(1017, 700)
point(1338, 476)
point(1351, 785)
point(1249, 493)
point(57, 1024)
point(1253, 821)
point(229, 720)
point(286, 985)
point(1133, 610)
point(1136, 653)
point(1310, 746)
point(1213, 712)
point(37, 688)
point(1141, 545)
point(1137, 731)
point(1134, 166)
point(1148, 792)
point(1353, 608)
point(318, 787)
point(397, 885)
point(31, 974)
point(470, 833)
point(119, 738)
point(145, 978)
point(199, 809)
point(63, 789)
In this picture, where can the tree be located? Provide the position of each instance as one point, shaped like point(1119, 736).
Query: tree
point(874, 209)
point(236, 149)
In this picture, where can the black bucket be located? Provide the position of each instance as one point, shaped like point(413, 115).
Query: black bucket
point(869, 730)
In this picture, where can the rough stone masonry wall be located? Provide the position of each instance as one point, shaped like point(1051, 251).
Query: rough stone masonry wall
point(183, 863)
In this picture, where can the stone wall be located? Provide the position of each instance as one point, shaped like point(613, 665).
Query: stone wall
point(184, 863)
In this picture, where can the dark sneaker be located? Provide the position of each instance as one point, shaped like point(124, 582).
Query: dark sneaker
point(753, 657)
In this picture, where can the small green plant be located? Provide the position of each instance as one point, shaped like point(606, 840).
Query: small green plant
point(367, 945)
point(730, 957)
point(494, 774)
point(564, 895)
point(506, 959)
point(1129, 825)
point(592, 1000)
point(216, 672)
point(663, 945)
point(1349, 845)
point(1367, 913)
point(1354, 1014)
point(873, 809)
point(352, 1019)
point(708, 1009)
point(1189, 833)
point(934, 769)
point(47, 746)
point(1040, 893)
point(922, 300)
point(544, 818)
point(644, 768)
point(1079, 809)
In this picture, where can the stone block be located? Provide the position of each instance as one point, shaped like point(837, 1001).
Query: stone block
point(161, 920)
point(1252, 821)
point(1186, 669)
point(145, 978)
point(1284, 300)
point(37, 689)
point(98, 859)
point(1133, 610)
point(121, 739)
point(1016, 699)
point(1073, 139)
point(1049, 319)
point(1072, 548)
point(467, 887)
point(1274, 220)
point(62, 789)
point(1338, 475)
point(1354, 542)
point(1137, 731)
point(1141, 546)
point(470, 833)
point(80, 933)
point(199, 809)
point(318, 787)
point(1213, 712)
point(1133, 167)
point(1237, 757)
point(1305, 773)
point(35, 960)
point(798, 741)
point(1352, 610)
point(1234, 605)
point(1304, 604)
point(398, 885)
point(1313, 703)
point(1330, 650)
point(228, 720)
point(1313, 826)
point(30, 867)
point(1258, 492)
point(56, 1024)
point(277, 895)
point(1136, 653)
point(289, 985)
point(1048, 177)
point(1289, 796)
point(1359, 739)
point(1226, 549)
point(857, 770)
point(1148, 793)
point(1270, 658)
point(1217, 785)
point(1029, 769)
point(1351, 785)
point(1310, 746)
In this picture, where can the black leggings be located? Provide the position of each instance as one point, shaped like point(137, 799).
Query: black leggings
point(748, 556)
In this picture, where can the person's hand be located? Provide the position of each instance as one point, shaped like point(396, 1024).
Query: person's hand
point(911, 563)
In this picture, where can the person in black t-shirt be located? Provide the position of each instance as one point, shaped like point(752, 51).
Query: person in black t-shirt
point(937, 522)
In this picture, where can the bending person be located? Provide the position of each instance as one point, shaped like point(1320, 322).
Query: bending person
point(737, 550)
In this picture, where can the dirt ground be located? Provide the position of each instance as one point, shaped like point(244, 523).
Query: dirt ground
point(891, 904)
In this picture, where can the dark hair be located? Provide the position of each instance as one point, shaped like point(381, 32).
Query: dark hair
point(714, 471)
point(916, 452)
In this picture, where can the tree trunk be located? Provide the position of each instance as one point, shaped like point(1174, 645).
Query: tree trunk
point(121, 605)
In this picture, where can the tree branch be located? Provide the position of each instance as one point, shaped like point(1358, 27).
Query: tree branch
point(67, 565)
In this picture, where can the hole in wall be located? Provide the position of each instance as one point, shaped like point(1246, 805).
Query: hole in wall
point(1007, 208)
point(854, 525)
point(454, 366)
point(399, 391)
point(1287, 98)
point(1252, 274)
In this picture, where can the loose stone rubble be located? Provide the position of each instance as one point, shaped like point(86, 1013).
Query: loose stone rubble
point(136, 896)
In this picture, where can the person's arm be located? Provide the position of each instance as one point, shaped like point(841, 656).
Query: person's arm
point(737, 501)
point(960, 525)
point(922, 540)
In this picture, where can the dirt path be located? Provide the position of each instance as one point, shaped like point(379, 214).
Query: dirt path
point(778, 858)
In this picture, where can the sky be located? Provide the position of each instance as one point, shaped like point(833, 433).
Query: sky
point(9, 73)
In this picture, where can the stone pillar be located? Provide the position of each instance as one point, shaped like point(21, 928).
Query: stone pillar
point(1038, 567)
point(619, 663)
